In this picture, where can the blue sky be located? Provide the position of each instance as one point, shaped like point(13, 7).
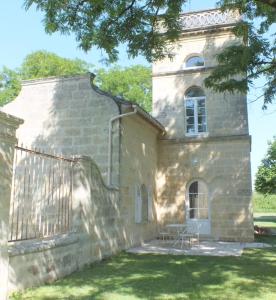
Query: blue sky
point(22, 32)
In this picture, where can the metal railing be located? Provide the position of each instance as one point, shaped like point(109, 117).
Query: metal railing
point(41, 199)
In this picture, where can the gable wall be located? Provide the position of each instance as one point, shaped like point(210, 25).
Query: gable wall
point(66, 116)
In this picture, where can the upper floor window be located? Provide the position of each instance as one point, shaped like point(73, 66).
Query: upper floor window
point(194, 62)
point(196, 121)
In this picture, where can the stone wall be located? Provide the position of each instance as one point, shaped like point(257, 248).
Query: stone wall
point(219, 157)
point(67, 116)
point(226, 113)
point(96, 233)
point(224, 165)
point(138, 166)
point(8, 126)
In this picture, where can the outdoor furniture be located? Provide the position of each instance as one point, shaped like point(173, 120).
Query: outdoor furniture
point(164, 235)
point(191, 233)
point(178, 230)
point(167, 233)
point(185, 232)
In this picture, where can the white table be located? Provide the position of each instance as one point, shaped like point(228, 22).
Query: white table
point(177, 227)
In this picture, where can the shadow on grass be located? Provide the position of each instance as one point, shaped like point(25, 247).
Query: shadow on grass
point(132, 276)
point(266, 218)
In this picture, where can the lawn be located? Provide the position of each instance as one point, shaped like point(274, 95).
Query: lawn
point(129, 276)
point(262, 203)
point(137, 277)
point(264, 210)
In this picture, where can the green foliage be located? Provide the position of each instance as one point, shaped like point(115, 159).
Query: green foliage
point(39, 64)
point(106, 24)
point(266, 175)
point(264, 203)
point(241, 63)
point(132, 83)
point(9, 85)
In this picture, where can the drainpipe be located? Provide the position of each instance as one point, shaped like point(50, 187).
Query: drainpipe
point(109, 170)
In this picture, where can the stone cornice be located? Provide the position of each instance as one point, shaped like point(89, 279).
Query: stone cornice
point(8, 139)
point(53, 79)
point(183, 72)
point(9, 120)
point(209, 139)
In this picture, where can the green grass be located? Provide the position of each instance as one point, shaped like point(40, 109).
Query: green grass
point(265, 220)
point(264, 210)
point(137, 277)
point(263, 203)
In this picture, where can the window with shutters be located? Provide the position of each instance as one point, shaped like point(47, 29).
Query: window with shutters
point(143, 204)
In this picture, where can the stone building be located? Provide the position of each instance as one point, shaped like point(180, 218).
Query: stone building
point(204, 158)
point(188, 161)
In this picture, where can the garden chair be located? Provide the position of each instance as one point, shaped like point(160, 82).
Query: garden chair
point(191, 234)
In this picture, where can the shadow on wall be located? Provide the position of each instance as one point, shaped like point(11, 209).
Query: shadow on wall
point(66, 117)
point(221, 157)
point(226, 112)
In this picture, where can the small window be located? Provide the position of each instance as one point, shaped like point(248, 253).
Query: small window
point(195, 110)
point(194, 62)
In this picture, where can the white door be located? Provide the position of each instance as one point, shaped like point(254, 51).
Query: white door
point(197, 208)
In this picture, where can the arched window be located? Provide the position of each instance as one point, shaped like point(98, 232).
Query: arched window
point(198, 200)
point(194, 62)
point(196, 121)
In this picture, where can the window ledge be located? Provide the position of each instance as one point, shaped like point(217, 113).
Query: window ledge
point(197, 135)
point(193, 68)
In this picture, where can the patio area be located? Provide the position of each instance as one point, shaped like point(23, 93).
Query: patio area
point(205, 248)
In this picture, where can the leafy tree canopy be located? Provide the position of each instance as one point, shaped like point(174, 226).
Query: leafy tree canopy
point(132, 83)
point(41, 64)
point(9, 85)
point(266, 175)
point(255, 57)
point(38, 64)
point(106, 24)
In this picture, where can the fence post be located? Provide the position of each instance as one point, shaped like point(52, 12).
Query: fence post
point(8, 126)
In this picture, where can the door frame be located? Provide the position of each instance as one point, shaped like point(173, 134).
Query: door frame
point(204, 225)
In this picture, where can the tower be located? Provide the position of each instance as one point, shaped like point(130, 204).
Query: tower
point(204, 160)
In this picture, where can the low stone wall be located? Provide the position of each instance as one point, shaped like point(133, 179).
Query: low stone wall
point(98, 231)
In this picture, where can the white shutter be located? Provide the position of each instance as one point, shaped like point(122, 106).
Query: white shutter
point(138, 204)
point(150, 204)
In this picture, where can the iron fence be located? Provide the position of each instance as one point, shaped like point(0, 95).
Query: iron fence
point(41, 200)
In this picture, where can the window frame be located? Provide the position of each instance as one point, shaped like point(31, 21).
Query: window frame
point(193, 67)
point(199, 208)
point(195, 116)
